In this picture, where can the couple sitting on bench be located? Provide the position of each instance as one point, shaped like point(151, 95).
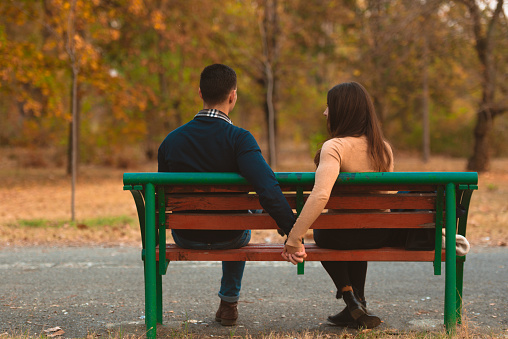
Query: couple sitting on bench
point(211, 143)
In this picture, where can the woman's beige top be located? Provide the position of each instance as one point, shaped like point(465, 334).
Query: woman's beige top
point(339, 154)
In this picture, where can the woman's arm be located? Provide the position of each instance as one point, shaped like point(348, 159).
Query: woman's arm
point(326, 175)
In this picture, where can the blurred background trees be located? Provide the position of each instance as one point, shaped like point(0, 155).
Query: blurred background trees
point(437, 71)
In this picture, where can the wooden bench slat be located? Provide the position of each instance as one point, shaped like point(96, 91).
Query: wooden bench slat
point(245, 221)
point(182, 202)
point(292, 188)
point(271, 252)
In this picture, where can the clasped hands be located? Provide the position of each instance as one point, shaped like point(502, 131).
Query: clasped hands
point(293, 254)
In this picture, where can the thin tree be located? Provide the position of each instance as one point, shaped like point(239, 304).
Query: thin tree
point(425, 100)
point(74, 64)
point(269, 28)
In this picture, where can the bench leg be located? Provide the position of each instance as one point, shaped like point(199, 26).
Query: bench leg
point(460, 279)
point(150, 264)
point(450, 316)
point(159, 297)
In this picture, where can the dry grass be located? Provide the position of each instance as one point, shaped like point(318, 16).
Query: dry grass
point(35, 206)
point(463, 332)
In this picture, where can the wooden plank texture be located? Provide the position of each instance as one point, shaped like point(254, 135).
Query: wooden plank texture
point(243, 221)
point(292, 188)
point(271, 252)
point(182, 202)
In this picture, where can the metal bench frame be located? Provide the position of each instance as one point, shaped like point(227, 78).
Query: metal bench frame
point(151, 190)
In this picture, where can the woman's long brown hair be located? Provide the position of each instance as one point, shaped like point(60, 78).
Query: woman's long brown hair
point(351, 113)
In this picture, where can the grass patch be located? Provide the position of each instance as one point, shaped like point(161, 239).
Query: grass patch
point(109, 221)
point(34, 223)
point(99, 230)
point(492, 187)
point(92, 222)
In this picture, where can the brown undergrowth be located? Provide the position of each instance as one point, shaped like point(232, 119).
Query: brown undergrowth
point(35, 208)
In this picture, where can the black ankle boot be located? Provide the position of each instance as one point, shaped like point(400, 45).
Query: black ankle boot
point(354, 307)
point(368, 320)
point(343, 318)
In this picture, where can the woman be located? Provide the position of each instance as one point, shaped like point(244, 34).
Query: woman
point(355, 144)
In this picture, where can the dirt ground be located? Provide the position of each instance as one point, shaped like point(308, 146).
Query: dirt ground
point(43, 196)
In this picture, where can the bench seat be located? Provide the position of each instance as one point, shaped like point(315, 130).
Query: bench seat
point(271, 252)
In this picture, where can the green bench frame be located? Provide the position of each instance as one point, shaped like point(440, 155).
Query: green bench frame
point(158, 195)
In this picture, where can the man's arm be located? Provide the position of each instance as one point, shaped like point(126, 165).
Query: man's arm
point(161, 160)
point(254, 168)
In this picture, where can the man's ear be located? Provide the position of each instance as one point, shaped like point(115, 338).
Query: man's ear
point(232, 96)
point(200, 95)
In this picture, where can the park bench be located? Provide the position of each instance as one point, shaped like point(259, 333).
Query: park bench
point(167, 201)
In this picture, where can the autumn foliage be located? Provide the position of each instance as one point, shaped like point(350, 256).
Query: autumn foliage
point(139, 64)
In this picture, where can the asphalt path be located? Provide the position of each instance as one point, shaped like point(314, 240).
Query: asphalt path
point(94, 290)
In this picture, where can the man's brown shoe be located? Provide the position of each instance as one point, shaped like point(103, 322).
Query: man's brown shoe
point(227, 313)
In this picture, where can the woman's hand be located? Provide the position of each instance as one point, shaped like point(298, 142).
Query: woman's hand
point(293, 254)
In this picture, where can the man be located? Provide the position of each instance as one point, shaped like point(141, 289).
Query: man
point(211, 143)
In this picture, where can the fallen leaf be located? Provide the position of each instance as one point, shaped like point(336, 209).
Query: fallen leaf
point(56, 334)
point(53, 329)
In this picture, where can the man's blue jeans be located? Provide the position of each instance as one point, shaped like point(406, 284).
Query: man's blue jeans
point(232, 271)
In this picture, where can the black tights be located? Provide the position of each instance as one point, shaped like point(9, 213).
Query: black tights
point(350, 273)
point(347, 273)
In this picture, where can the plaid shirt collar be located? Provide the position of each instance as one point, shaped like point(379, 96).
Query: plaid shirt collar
point(213, 113)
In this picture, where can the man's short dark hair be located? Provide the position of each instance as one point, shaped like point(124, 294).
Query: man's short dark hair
point(216, 82)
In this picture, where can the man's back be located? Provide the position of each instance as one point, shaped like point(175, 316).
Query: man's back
point(211, 143)
point(205, 144)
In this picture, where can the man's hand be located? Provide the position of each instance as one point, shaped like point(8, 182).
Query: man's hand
point(294, 255)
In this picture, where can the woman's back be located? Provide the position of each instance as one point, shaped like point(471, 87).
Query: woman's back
point(351, 154)
point(348, 154)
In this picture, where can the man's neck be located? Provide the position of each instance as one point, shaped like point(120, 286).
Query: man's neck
point(224, 108)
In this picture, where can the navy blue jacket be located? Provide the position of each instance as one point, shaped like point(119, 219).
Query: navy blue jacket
point(210, 144)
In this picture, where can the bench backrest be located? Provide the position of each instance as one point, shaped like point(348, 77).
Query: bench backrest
point(359, 200)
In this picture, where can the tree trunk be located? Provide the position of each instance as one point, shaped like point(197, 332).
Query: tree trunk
point(271, 116)
point(378, 89)
point(480, 161)
point(152, 116)
point(77, 118)
point(71, 50)
point(74, 138)
point(270, 32)
point(425, 102)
